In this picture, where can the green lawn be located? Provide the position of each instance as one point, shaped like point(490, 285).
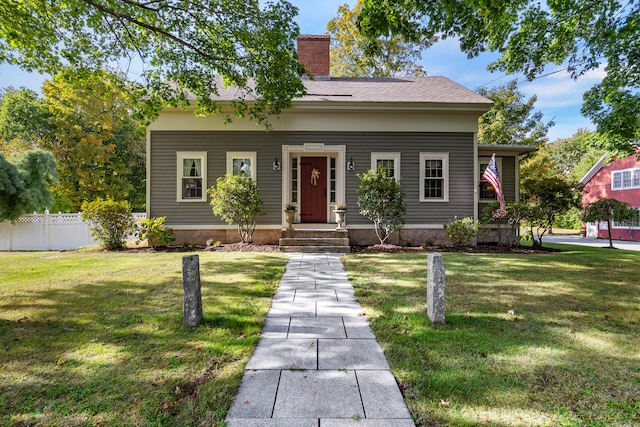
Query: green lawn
point(530, 340)
point(96, 338)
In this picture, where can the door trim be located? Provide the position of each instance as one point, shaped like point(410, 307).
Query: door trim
point(310, 150)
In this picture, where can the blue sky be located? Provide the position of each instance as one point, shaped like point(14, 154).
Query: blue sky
point(559, 97)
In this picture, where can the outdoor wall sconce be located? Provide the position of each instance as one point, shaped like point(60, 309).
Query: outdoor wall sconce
point(350, 165)
point(276, 164)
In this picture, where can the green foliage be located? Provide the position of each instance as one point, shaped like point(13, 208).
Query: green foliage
point(462, 231)
point(155, 232)
point(607, 210)
point(110, 221)
point(236, 199)
point(24, 186)
point(354, 56)
point(585, 35)
point(545, 199)
point(24, 121)
point(381, 199)
point(98, 144)
point(571, 219)
point(511, 119)
point(244, 42)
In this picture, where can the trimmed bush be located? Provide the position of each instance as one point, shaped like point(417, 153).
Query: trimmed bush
point(236, 199)
point(462, 231)
point(381, 199)
point(155, 232)
point(110, 221)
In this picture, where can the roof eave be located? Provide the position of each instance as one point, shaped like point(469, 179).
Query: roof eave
point(505, 150)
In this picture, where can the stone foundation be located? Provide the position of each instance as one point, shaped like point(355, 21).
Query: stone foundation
point(200, 237)
point(505, 235)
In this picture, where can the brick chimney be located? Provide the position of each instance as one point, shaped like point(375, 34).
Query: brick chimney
point(313, 53)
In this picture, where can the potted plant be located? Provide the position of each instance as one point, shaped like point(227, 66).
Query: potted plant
point(340, 210)
point(290, 214)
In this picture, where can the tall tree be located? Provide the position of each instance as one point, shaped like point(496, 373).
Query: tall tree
point(25, 184)
point(181, 46)
point(24, 121)
point(582, 34)
point(98, 145)
point(352, 55)
point(511, 119)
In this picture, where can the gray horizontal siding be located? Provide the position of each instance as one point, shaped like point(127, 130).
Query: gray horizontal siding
point(164, 146)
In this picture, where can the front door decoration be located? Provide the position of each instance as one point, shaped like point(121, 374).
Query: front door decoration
point(315, 174)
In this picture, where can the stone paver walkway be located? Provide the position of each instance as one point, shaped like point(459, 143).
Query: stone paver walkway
point(317, 364)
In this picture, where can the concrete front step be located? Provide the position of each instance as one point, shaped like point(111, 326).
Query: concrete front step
point(316, 249)
point(310, 241)
point(314, 241)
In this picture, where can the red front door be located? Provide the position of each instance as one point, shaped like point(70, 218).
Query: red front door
point(313, 189)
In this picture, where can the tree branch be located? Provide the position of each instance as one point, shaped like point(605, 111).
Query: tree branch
point(152, 28)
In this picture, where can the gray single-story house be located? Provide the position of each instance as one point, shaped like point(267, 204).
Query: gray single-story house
point(423, 129)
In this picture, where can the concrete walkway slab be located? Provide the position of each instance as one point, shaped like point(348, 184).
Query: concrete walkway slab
point(285, 354)
point(317, 327)
point(318, 362)
point(317, 394)
point(350, 354)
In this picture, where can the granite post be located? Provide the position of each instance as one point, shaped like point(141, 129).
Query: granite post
point(192, 295)
point(435, 288)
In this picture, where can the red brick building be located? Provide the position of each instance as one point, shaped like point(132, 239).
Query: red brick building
point(618, 180)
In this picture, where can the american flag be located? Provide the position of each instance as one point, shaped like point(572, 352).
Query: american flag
point(492, 176)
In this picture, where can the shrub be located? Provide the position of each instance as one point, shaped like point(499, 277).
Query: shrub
point(381, 199)
point(462, 231)
point(236, 199)
point(110, 221)
point(155, 232)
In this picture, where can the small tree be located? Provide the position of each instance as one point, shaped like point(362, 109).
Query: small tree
point(236, 199)
point(608, 209)
point(547, 198)
point(25, 185)
point(110, 221)
point(381, 199)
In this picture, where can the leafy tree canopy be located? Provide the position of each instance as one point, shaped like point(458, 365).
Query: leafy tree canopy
point(352, 55)
point(583, 34)
point(24, 185)
point(180, 46)
point(511, 119)
point(24, 121)
point(97, 143)
point(607, 210)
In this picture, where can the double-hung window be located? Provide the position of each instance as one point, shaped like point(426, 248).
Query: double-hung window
point(388, 162)
point(192, 176)
point(242, 163)
point(434, 177)
point(625, 179)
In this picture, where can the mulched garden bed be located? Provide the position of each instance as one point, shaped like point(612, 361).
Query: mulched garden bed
point(245, 247)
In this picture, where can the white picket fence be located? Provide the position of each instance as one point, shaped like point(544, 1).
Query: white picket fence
point(48, 232)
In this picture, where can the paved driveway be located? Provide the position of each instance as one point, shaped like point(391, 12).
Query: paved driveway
point(599, 243)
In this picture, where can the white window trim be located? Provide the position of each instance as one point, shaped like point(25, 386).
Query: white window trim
point(487, 160)
point(618, 226)
point(380, 155)
point(445, 166)
point(180, 156)
point(243, 155)
point(622, 187)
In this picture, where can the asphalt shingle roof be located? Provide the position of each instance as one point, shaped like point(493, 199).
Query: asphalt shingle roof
point(411, 90)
